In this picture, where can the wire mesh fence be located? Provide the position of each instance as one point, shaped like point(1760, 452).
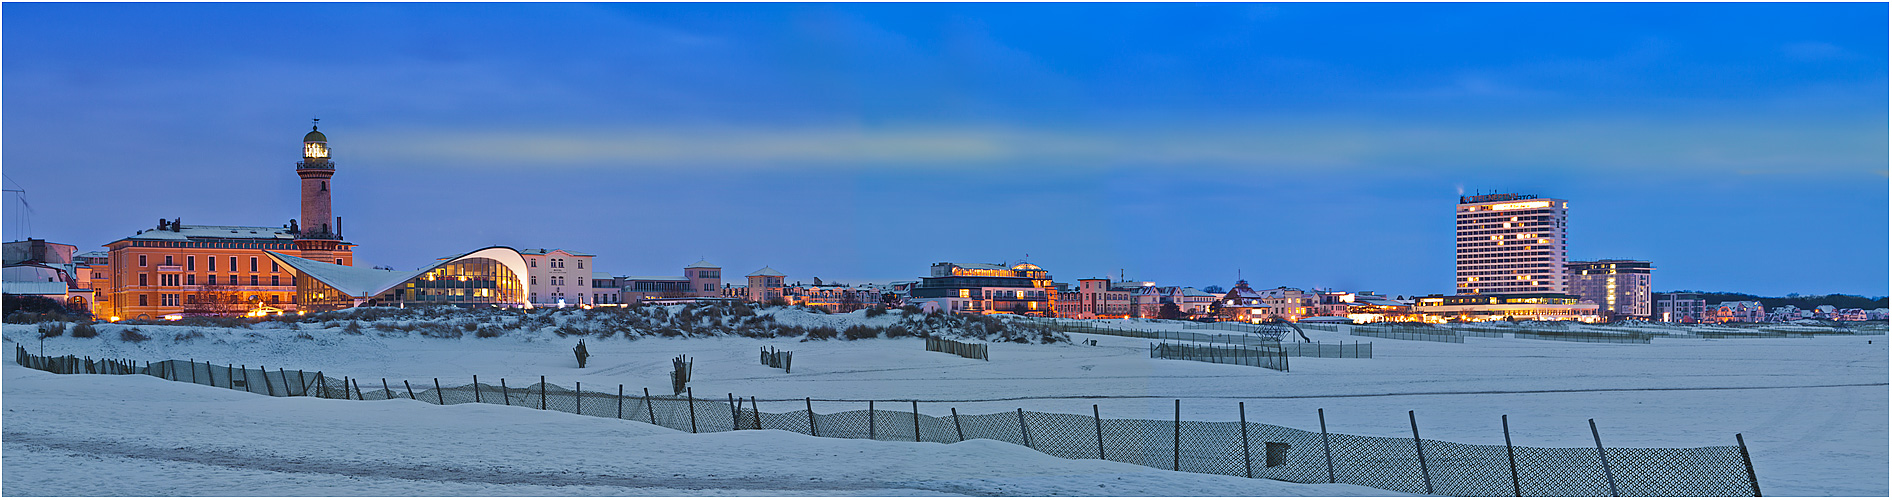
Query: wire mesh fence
point(1270, 357)
point(1363, 350)
point(1241, 448)
point(1407, 332)
point(962, 349)
point(1260, 333)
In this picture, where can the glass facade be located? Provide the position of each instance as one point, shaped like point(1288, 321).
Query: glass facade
point(475, 281)
point(313, 295)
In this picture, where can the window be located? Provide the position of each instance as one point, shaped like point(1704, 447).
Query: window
point(190, 279)
point(212, 261)
point(533, 262)
point(233, 268)
point(252, 280)
point(339, 262)
point(252, 264)
point(141, 261)
point(143, 279)
point(581, 265)
point(535, 280)
point(275, 281)
point(142, 300)
point(211, 279)
point(190, 299)
point(233, 280)
point(581, 281)
point(190, 263)
point(275, 267)
point(167, 261)
point(708, 287)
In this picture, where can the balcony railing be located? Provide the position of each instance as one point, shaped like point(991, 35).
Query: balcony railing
point(326, 165)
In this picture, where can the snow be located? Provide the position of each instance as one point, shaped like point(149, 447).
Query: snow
point(170, 439)
point(1813, 410)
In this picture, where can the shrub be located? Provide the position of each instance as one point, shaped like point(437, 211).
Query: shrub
point(52, 329)
point(353, 328)
point(568, 330)
point(898, 331)
point(858, 332)
point(192, 334)
point(84, 330)
point(305, 336)
point(132, 335)
point(778, 302)
point(876, 312)
point(488, 331)
point(909, 310)
point(821, 333)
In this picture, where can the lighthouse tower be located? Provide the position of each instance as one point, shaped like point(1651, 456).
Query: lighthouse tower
point(321, 233)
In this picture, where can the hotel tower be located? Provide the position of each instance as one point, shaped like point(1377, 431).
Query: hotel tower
point(1511, 244)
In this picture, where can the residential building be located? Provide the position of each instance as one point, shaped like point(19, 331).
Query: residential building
point(1243, 304)
point(1787, 313)
point(1290, 304)
point(1746, 311)
point(605, 289)
point(1620, 287)
point(1511, 244)
point(1682, 308)
point(833, 297)
point(1022, 288)
point(557, 277)
point(1095, 298)
point(36, 267)
point(765, 284)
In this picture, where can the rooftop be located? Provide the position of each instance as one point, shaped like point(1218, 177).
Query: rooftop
point(188, 232)
point(767, 271)
point(701, 263)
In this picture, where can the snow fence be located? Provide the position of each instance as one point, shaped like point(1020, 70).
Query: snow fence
point(1246, 449)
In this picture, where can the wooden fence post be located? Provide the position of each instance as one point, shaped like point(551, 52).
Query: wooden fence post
point(410, 390)
point(758, 412)
point(1423, 472)
point(1177, 446)
point(870, 419)
point(735, 414)
point(193, 370)
point(476, 390)
point(961, 431)
point(1023, 434)
point(1324, 446)
point(1097, 420)
point(439, 395)
point(812, 431)
point(1749, 462)
point(692, 395)
point(385, 388)
point(1517, 488)
point(578, 398)
point(541, 392)
point(358, 395)
point(652, 410)
point(1248, 464)
point(505, 393)
point(916, 420)
point(321, 386)
point(1610, 476)
point(620, 401)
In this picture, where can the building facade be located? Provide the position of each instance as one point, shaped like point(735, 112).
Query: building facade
point(1509, 307)
point(1682, 308)
point(174, 269)
point(766, 284)
point(1621, 288)
point(978, 288)
point(558, 277)
point(488, 277)
point(1511, 244)
point(1745, 311)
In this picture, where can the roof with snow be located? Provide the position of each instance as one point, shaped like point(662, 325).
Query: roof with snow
point(189, 232)
point(701, 263)
point(1190, 291)
point(351, 280)
point(974, 265)
point(767, 271)
point(34, 287)
point(595, 275)
point(545, 251)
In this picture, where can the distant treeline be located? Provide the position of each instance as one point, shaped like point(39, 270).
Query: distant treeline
point(1838, 300)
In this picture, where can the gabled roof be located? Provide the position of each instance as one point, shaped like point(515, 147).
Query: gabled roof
point(595, 276)
point(354, 281)
point(701, 263)
point(1190, 291)
point(767, 271)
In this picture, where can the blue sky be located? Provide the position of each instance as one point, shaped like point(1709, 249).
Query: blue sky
point(1741, 147)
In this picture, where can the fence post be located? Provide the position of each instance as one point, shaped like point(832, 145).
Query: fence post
point(386, 389)
point(410, 388)
point(1516, 488)
point(1427, 474)
point(1098, 419)
point(505, 393)
point(758, 412)
point(648, 408)
point(247, 386)
point(1248, 464)
point(301, 379)
point(1611, 477)
point(358, 396)
point(1176, 447)
point(620, 401)
point(870, 419)
point(812, 431)
point(578, 398)
point(1022, 434)
point(439, 395)
point(321, 386)
point(1751, 479)
point(476, 389)
point(209, 371)
point(735, 415)
point(541, 392)
point(691, 393)
point(916, 420)
point(956, 428)
point(193, 370)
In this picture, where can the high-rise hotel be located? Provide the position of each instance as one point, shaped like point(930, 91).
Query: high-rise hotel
point(1511, 263)
point(1511, 244)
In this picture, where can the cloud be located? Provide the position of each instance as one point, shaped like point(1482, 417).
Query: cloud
point(1726, 146)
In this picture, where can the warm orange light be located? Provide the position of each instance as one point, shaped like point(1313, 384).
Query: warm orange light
point(1515, 206)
